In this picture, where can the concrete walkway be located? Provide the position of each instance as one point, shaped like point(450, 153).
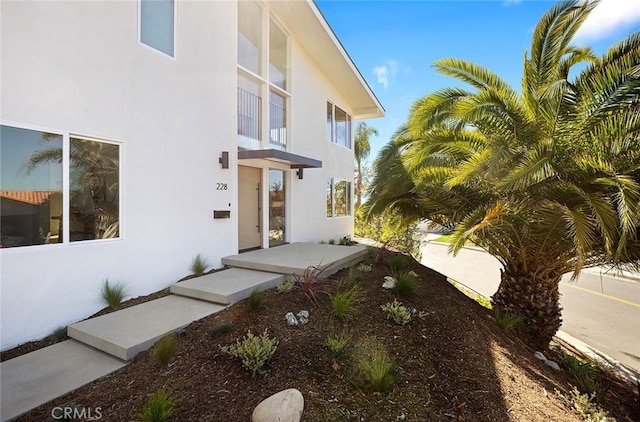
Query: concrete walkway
point(103, 344)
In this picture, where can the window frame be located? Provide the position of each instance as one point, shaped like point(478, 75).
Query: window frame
point(66, 187)
point(173, 57)
point(334, 126)
point(333, 181)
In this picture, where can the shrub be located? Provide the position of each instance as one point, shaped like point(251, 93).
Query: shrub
point(507, 321)
point(59, 333)
point(585, 374)
point(254, 301)
point(337, 343)
point(254, 351)
point(309, 280)
point(221, 328)
point(373, 370)
point(285, 287)
point(400, 314)
point(406, 285)
point(584, 405)
point(165, 350)
point(365, 268)
point(199, 265)
point(159, 408)
point(113, 294)
point(332, 241)
point(343, 303)
point(350, 278)
point(396, 263)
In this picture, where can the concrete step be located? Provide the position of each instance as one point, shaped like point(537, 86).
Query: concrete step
point(294, 258)
point(127, 332)
point(228, 286)
point(31, 380)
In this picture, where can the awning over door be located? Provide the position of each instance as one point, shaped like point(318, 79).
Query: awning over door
point(283, 157)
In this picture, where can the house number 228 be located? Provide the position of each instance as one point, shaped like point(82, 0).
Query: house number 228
point(221, 186)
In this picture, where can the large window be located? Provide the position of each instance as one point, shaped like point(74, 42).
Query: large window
point(249, 36)
point(277, 56)
point(338, 198)
point(338, 126)
point(32, 193)
point(157, 25)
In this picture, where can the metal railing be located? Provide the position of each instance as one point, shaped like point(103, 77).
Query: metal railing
point(249, 106)
point(277, 125)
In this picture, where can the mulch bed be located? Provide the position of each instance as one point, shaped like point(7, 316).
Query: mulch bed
point(453, 364)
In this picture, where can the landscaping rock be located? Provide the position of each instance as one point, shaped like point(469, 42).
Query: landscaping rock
point(303, 317)
point(540, 356)
point(291, 319)
point(389, 282)
point(285, 406)
point(552, 364)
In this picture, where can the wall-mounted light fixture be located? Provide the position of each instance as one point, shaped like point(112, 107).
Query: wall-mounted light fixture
point(299, 172)
point(224, 159)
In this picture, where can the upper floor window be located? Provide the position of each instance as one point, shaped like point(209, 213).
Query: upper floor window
point(277, 56)
point(157, 25)
point(338, 126)
point(32, 193)
point(250, 36)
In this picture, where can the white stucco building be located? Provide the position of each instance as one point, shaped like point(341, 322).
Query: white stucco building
point(137, 134)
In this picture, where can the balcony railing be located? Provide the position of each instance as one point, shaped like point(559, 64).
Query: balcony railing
point(278, 125)
point(249, 106)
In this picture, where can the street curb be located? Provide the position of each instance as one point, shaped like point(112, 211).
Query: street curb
point(598, 356)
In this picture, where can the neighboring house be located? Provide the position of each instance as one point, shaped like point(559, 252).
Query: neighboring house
point(151, 131)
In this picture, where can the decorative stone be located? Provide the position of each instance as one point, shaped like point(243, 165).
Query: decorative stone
point(285, 406)
point(540, 356)
point(552, 364)
point(389, 282)
point(413, 274)
point(303, 317)
point(291, 319)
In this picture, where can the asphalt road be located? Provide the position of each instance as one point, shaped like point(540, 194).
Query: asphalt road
point(600, 310)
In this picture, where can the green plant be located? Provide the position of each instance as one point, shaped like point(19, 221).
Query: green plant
point(160, 407)
point(351, 278)
point(337, 343)
point(221, 328)
point(165, 349)
point(285, 286)
point(399, 313)
point(332, 241)
point(343, 303)
point(585, 375)
point(309, 280)
point(113, 294)
point(406, 285)
point(199, 265)
point(585, 406)
point(255, 351)
point(373, 370)
point(507, 321)
point(59, 333)
point(396, 263)
point(255, 299)
point(323, 242)
point(484, 301)
point(365, 268)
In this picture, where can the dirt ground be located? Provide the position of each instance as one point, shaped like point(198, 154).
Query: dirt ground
point(452, 364)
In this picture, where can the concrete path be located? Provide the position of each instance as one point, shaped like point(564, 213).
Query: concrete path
point(31, 380)
point(602, 312)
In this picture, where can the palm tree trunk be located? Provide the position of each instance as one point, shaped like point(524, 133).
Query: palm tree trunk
point(536, 300)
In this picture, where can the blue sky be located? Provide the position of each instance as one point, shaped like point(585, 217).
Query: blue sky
point(394, 43)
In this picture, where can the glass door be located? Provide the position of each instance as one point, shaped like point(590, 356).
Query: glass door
point(276, 207)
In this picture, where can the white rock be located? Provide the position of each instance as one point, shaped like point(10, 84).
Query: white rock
point(303, 317)
point(285, 406)
point(552, 364)
point(389, 282)
point(291, 319)
point(540, 356)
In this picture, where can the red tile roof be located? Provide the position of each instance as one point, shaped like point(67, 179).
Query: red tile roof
point(33, 197)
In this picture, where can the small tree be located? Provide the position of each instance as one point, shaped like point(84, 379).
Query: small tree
point(361, 150)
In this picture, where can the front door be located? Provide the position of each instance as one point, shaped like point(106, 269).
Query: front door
point(249, 207)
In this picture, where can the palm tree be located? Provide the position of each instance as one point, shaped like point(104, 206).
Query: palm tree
point(546, 180)
point(361, 151)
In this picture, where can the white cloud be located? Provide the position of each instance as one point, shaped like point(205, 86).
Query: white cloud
point(387, 72)
point(609, 17)
point(510, 2)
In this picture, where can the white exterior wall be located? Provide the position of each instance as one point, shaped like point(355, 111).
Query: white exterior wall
point(78, 67)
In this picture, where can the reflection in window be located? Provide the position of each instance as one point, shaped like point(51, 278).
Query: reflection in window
point(329, 122)
point(338, 198)
point(249, 35)
point(277, 56)
point(341, 127)
point(329, 197)
point(157, 25)
point(277, 119)
point(94, 190)
point(30, 187)
point(276, 207)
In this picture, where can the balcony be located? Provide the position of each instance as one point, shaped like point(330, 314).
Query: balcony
point(277, 125)
point(249, 113)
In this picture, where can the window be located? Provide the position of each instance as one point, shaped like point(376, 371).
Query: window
point(277, 119)
point(338, 198)
point(277, 56)
point(338, 126)
point(249, 36)
point(157, 25)
point(32, 194)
